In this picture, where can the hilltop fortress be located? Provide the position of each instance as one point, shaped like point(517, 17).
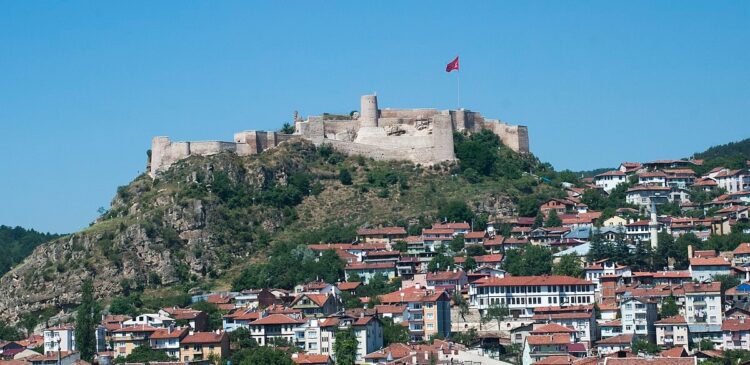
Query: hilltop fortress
point(423, 136)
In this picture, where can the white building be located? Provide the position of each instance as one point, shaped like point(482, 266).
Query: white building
point(736, 334)
point(150, 320)
point(610, 179)
point(733, 180)
point(656, 178)
point(672, 332)
point(705, 268)
point(64, 336)
point(318, 336)
point(604, 267)
point(367, 270)
point(522, 294)
point(703, 311)
point(641, 195)
point(638, 316)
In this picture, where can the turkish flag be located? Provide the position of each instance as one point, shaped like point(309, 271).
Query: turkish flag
point(452, 66)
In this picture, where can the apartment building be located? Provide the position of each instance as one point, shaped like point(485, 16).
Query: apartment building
point(62, 337)
point(703, 311)
point(202, 345)
point(522, 294)
point(429, 310)
point(672, 332)
point(638, 317)
point(318, 336)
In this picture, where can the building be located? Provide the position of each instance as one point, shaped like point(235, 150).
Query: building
point(611, 345)
point(128, 338)
point(366, 270)
point(604, 267)
point(197, 320)
point(59, 338)
point(703, 311)
point(151, 320)
point(429, 310)
point(580, 318)
point(736, 334)
point(522, 294)
point(272, 327)
point(318, 336)
point(610, 179)
point(66, 358)
point(168, 340)
point(705, 268)
point(317, 305)
point(655, 178)
point(447, 280)
point(204, 345)
point(638, 317)
point(537, 348)
point(733, 180)
point(672, 332)
point(381, 235)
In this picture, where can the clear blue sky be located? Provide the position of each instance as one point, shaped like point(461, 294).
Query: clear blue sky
point(85, 85)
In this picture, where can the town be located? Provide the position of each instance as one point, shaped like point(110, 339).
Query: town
point(664, 277)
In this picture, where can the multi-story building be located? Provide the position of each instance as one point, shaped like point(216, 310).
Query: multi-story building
point(447, 280)
point(59, 338)
point(638, 231)
point(367, 270)
point(522, 294)
point(733, 180)
point(203, 345)
point(604, 267)
point(315, 304)
point(381, 235)
point(741, 254)
point(318, 336)
point(197, 320)
point(435, 238)
point(672, 332)
point(638, 317)
point(614, 344)
point(705, 268)
point(168, 340)
point(150, 319)
point(581, 318)
point(274, 327)
point(611, 328)
point(429, 310)
point(655, 178)
point(537, 348)
point(128, 338)
point(703, 311)
point(736, 334)
point(610, 179)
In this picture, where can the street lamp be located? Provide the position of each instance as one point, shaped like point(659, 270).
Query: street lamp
point(57, 339)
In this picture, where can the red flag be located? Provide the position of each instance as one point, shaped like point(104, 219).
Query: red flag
point(452, 66)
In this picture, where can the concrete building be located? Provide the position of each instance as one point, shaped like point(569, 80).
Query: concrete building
point(128, 338)
point(537, 348)
point(168, 340)
point(202, 345)
point(579, 318)
point(318, 336)
point(638, 317)
point(366, 270)
point(611, 345)
point(270, 328)
point(62, 338)
point(610, 179)
point(522, 294)
point(672, 332)
point(703, 311)
point(429, 311)
point(736, 334)
point(423, 136)
point(705, 268)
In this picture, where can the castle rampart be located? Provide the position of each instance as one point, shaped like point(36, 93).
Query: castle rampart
point(423, 136)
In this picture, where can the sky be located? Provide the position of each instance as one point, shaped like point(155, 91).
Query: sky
point(85, 85)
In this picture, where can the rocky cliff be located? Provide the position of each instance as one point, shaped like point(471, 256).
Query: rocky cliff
point(206, 217)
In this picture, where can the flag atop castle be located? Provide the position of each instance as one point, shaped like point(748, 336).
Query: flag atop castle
point(423, 136)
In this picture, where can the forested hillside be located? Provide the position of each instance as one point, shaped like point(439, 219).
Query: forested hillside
point(17, 243)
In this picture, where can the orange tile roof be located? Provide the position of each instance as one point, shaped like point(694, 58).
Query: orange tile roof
point(531, 281)
point(381, 231)
point(672, 320)
point(164, 333)
point(556, 360)
point(411, 295)
point(552, 328)
point(318, 299)
point(452, 226)
point(303, 358)
point(349, 285)
point(611, 173)
point(277, 319)
point(472, 235)
point(438, 231)
point(743, 248)
point(673, 352)
point(370, 265)
point(650, 361)
point(488, 258)
point(616, 340)
point(548, 340)
point(734, 325)
point(709, 261)
point(394, 309)
point(204, 337)
point(445, 275)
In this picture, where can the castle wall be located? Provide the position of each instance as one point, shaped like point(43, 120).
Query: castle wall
point(514, 136)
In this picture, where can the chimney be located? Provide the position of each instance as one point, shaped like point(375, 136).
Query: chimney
point(690, 251)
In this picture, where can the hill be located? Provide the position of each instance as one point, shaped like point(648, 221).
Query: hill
point(17, 243)
point(198, 225)
point(732, 155)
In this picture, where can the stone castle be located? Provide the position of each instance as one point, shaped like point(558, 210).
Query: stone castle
point(423, 136)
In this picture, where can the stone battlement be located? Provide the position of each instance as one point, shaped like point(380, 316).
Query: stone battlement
point(423, 136)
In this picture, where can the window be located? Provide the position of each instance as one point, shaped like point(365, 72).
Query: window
point(430, 326)
point(430, 316)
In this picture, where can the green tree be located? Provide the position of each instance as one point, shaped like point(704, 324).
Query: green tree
point(394, 332)
point(440, 262)
point(457, 243)
point(475, 250)
point(400, 246)
point(345, 176)
point(470, 264)
point(287, 128)
point(460, 302)
point(552, 219)
point(532, 260)
point(143, 354)
point(262, 355)
point(455, 211)
point(345, 347)
point(643, 346)
point(568, 265)
point(538, 221)
point(727, 281)
point(241, 338)
point(214, 315)
point(467, 338)
point(86, 320)
point(705, 344)
point(669, 307)
point(354, 277)
point(496, 312)
point(8, 332)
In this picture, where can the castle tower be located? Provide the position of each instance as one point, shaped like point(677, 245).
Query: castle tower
point(368, 111)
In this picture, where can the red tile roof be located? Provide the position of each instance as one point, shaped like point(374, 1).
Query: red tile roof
point(411, 295)
point(304, 359)
point(393, 309)
point(673, 352)
point(611, 173)
point(552, 328)
point(548, 340)
point(277, 319)
point(743, 248)
point(319, 299)
point(531, 281)
point(556, 360)
point(650, 361)
point(164, 333)
point(370, 265)
point(616, 340)
point(445, 275)
point(349, 285)
point(473, 235)
point(204, 337)
point(493, 258)
point(452, 226)
point(672, 320)
point(381, 231)
point(734, 325)
point(709, 261)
